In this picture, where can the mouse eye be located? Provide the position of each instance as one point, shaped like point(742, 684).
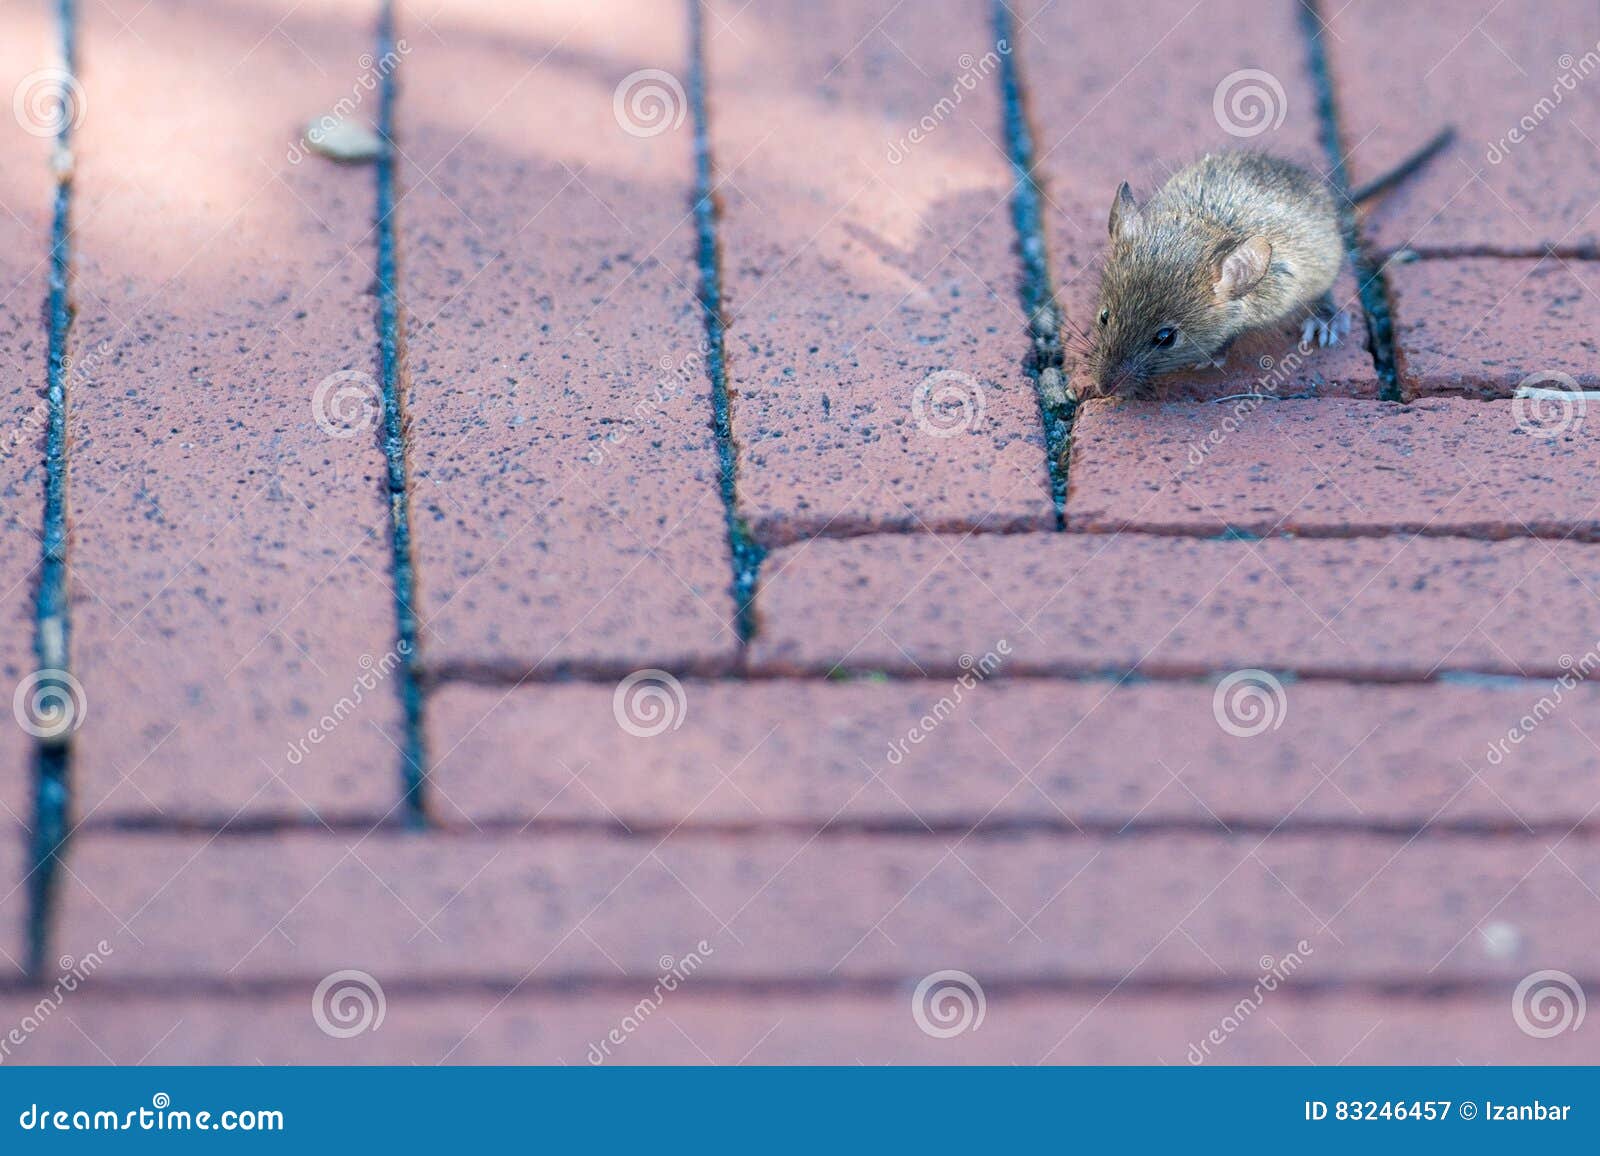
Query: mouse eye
point(1165, 337)
point(1105, 317)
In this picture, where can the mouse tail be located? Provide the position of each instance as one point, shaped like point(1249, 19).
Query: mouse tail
point(1405, 168)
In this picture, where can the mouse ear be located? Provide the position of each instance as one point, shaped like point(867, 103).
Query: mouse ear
point(1124, 213)
point(1242, 269)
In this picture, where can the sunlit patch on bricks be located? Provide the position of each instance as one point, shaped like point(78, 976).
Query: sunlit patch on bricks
point(648, 703)
point(947, 1003)
point(1248, 703)
point(649, 102)
point(50, 704)
point(1249, 102)
point(347, 1003)
point(1548, 1003)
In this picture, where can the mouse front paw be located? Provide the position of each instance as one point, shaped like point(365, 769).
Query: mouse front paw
point(1324, 330)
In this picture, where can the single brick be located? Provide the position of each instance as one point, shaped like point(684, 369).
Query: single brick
point(1394, 607)
point(876, 338)
point(1441, 465)
point(512, 909)
point(1484, 326)
point(1513, 80)
point(946, 755)
point(565, 498)
point(699, 1027)
point(1135, 94)
point(27, 192)
point(230, 558)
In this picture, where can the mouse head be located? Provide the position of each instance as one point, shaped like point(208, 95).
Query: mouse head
point(1171, 297)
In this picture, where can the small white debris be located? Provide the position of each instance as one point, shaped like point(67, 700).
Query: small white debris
point(343, 140)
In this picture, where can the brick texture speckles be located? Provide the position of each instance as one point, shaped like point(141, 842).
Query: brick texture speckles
point(565, 497)
point(940, 755)
point(1480, 327)
point(876, 341)
point(1384, 608)
point(1441, 465)
point(1524, 173)
point(789, 907)
point(26, 189)
point(229, 565)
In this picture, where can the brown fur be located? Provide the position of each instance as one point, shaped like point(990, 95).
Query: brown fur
point(1168, 266)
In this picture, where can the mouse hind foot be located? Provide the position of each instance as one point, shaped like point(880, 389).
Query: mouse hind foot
point(1325, 324)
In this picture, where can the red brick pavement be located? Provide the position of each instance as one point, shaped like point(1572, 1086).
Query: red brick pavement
point(1299, 691)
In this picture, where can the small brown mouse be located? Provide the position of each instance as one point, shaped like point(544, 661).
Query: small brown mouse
point(1234, 243)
